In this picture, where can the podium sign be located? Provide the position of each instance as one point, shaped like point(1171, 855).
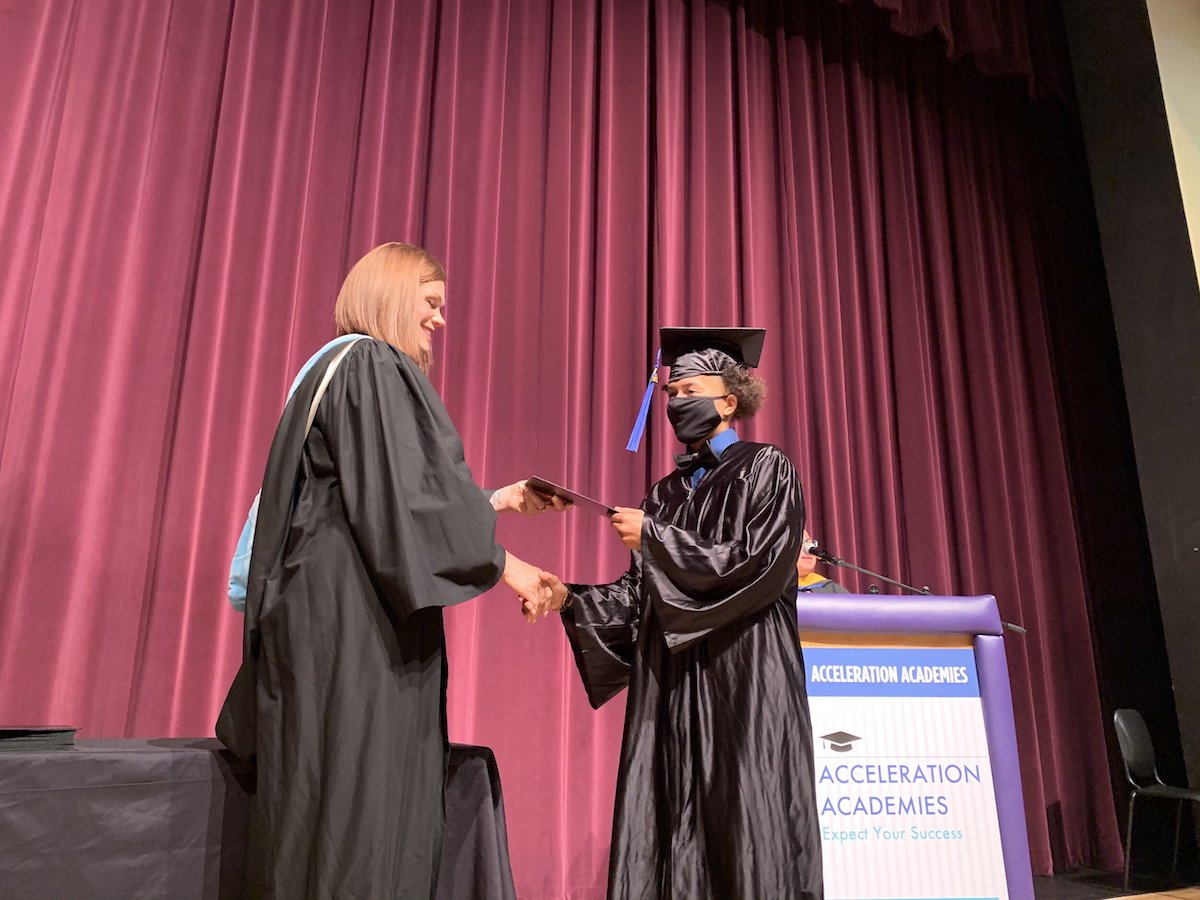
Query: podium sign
point(914, 749)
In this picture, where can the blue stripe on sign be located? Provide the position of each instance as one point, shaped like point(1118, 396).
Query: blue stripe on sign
point(890, 672)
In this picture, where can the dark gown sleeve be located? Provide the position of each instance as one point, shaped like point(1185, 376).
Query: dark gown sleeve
point(423, 527)
point(697, 585)
point(602, 627)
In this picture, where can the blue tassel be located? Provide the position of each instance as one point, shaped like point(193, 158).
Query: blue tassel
point(639, 427)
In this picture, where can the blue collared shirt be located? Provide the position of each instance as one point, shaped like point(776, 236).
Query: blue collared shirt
point(718, 444)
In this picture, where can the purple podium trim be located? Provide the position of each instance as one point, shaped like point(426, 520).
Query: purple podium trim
point(979, 618)
point(1001, 728)
point(875, 614)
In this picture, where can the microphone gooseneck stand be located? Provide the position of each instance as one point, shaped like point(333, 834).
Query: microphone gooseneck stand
point(829, 559)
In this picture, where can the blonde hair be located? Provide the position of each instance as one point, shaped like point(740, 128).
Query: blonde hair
point(380, 296)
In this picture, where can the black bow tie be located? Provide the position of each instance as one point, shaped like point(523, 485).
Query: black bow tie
point(704, 458)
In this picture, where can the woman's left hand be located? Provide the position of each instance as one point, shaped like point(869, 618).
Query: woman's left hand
point(518, 497)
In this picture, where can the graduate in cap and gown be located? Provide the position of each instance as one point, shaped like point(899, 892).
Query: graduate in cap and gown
point(715, 790)
point(369, 524)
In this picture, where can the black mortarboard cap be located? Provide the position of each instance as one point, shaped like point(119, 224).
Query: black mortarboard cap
point(707, 351)
point(697, 351)
point(840, 741)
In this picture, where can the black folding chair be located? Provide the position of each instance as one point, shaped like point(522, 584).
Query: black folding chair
point(1137, 751)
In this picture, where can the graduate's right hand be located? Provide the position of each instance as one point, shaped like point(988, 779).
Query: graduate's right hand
point(550, 596)
point(553, 597)
point(547, 597)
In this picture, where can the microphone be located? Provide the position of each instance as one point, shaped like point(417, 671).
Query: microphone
point(812, 548)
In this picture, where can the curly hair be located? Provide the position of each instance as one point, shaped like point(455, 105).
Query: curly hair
point(749, 389)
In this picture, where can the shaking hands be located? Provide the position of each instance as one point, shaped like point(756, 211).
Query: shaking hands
point(541, 592)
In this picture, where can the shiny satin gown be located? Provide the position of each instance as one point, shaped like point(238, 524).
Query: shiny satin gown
point(715, 791)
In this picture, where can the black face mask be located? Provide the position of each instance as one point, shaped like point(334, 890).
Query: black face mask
point(693, 418)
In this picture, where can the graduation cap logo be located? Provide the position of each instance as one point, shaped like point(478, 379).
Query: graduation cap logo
point(840, 741)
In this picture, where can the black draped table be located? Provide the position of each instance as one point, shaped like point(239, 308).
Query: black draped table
point(126, 819)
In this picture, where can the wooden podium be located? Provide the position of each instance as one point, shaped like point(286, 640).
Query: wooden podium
point(918, 782)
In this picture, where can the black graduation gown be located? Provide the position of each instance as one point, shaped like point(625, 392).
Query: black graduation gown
point(715, 789)
point(366, 530)
point(823, 587)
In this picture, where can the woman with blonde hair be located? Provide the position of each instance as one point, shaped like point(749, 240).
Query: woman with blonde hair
point(369, 523)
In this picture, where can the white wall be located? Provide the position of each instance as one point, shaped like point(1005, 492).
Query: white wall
point(1176, 28)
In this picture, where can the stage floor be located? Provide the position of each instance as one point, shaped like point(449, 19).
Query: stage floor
point(1087, 884)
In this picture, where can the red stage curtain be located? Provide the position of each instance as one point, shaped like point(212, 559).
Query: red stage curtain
point(185, 185)
point(1002, 37)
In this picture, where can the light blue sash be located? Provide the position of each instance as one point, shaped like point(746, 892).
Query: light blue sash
point(239, 568)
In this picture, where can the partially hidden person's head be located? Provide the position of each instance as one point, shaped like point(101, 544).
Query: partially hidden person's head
point(807, 562)
point(711, 385)
point(396, 293)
